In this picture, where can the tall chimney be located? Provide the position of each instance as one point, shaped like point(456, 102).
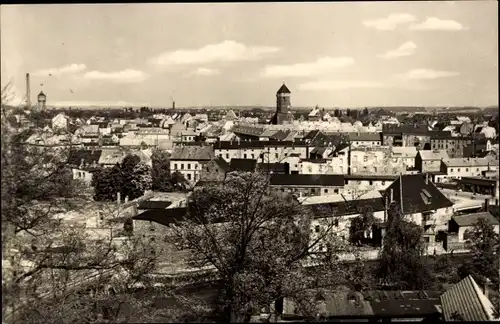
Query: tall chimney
point(173, 104)
point(28, 91)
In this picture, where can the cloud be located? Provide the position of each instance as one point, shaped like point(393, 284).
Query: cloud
point(67, 69)
point(205, 72)
point(391, 22)
point(321, 66)
point(407, 49)
point(125, 76)
point(433, 23)
point(227, 51)
point(427, 74)
point(340, 85)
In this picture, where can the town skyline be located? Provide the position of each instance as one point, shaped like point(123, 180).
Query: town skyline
point(329, 54)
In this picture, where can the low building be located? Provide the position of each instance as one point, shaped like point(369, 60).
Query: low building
point(365, 139)
point(467, 167)
point(189, 160)
point(460, 224)
point(404, 156)
point(265, 151)
point(430, 161)
point(308, 184)
point(84, 163)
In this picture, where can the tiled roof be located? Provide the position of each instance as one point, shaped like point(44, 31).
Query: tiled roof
point(283, 168)
point(192, 153)
point(247, 130)
point(221, 163)
point(471, 219)
point(417, 195)
point(469, 162)
point(404, 303)
point(88, 157)
point(320, 180)
point(466, 302)
point(228, 145)
point(242, 165)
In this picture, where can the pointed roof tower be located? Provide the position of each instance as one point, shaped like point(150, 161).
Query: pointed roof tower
point(283, 89)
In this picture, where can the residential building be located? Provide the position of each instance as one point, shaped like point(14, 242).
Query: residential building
point(454, 146)
point(369, 160)
point(266, 151)
point(459, 225)
point(189, 160)
point(308, 184)
point(357, 185)
point(365, 139)
point(467, 167)
point(404, 156)
point(84, 163)
point(430, 161)
point(214, 170)
point(60, 121)
point(422, 202)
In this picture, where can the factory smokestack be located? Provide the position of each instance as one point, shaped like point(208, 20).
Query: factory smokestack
point(173, 104)
point(28, 91)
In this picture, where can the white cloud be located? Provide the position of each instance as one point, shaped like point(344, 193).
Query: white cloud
point(227, 51)
point(433, 23)
point(321, 66)
point(340, 85)
point(125, 76)
point(407, 49)
point(391, 22)
point(205, 72)
point(67, 69)
point(427, 74)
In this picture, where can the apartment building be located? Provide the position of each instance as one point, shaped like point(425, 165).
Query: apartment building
point(264, 151)
point(308, 184)
point(456, 168)
point(189, 160)
point(368, 160)
point(454, 146)
point(365, 139)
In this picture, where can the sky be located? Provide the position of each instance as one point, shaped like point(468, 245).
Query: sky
point(340, 54)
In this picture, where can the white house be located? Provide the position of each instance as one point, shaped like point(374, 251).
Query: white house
point(60, 121)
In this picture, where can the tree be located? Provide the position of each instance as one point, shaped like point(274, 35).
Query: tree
point(131, 179)
point(161, 171)
point(484, 244)
point(47, 262)
point(361, 227)
point(401, 263)
point(257, 240)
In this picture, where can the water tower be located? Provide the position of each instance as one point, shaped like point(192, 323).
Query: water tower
point(42, 99)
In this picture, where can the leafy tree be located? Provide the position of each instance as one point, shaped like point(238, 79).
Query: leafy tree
point(361, 226)
point(107, 183)
point(257, 240)
point(484, 244)
point(401, 263)
point(161, 171)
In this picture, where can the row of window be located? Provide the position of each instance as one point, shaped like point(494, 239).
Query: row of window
point(188, 166)
point(313, 190)
point(466, 169)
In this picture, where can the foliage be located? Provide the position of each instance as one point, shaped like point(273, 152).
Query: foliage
point(401, 263)
point(484, 244)
point(257, 240)
point(163, 179)
point(47, 261)
point(131, 179)
point(361, 225)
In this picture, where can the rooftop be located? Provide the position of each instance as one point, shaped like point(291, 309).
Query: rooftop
point(317, 180)
point(192, 153)
point(471, 219)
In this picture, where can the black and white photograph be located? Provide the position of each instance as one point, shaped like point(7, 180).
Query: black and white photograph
point(250, 162)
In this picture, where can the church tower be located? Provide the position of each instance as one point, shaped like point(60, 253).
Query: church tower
point(283, 105)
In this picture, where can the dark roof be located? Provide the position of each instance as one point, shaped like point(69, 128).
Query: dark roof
point(404, 303)
point(221, 163)
point(364, 137)
point(345, 207)
point(192, 153)
point(280, 135)
point(162, 216)
point(382, 177)
point(228, 145)
point(242, 165)
point(418, 196)
point(477, 181)
point(322, 180)
point(471, 219)
point(283, 168)
point(283, 89)
point(76, 157)
point(311, 135)
point(247, 130)
point(151, 204)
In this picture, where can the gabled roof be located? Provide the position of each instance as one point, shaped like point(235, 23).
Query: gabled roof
point(427, 155)
point(466, 302)
point(192, 153)
point(418, 196)
point(221, 163)
point(242, 165)
point(471, 219)
point(283, 89)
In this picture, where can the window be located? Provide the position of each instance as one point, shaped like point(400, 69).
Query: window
point(182, 166)
point(277, 155)
point(477, 169)
point(316, 229)
point(458, 170)
point(227, 156)
point(175, 166)
point(370, 182)
point(466, 169)
point(365, 158)
point(375, 169)
point(320, 247)
point(451, 170)
point(326, 190)
point(383, 183)
point(189, 176)
point(282, 189)
point(335, 191)
point(336, 222)
point(189, 166)
point(253, 156)
point(245, 156)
